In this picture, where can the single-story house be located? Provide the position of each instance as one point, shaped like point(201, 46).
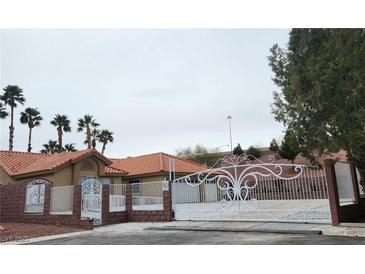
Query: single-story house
point(71, 168)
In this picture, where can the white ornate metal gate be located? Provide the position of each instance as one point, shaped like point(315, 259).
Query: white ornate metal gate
point(244, 188)
point(91, 203)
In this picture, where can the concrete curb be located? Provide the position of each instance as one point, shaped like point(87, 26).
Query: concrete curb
point(212, 229)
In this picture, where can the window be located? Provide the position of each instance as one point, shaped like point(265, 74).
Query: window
point(136, 187)
point(105, 180)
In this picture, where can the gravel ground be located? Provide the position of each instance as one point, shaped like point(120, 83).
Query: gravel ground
point(19, 231)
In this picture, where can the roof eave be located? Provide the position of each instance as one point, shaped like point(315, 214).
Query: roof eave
point(32, 174)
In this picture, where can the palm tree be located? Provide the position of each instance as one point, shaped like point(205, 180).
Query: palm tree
point(51, 147)
point(105, 136)
point(63, 125)
point(87, 123)
point(13, 95)
point(70, 147)
point(30, 116)
point(3, 112)
point(93, 135)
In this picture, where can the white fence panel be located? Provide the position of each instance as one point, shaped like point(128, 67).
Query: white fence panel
point(211, 191)
point(62, 200)
point(147, 196)
point(184, 193)
point(117, 197)
point(344, 183)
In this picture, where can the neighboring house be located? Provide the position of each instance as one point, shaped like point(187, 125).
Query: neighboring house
point(72, 168)
point(153, 167)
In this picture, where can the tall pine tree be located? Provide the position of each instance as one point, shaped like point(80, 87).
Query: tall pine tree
point(321, 75)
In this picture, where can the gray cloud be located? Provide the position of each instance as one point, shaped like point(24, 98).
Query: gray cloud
point(156, 89)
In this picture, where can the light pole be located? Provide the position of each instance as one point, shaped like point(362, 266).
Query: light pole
point(229, 117)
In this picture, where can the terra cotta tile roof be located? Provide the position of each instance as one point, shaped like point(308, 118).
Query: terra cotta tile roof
point(19, 163)
point(153, 163)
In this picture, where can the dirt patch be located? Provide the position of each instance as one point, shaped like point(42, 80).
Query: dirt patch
point(19, 231)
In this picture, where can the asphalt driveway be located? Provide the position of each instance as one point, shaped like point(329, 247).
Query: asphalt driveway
point(137, 234)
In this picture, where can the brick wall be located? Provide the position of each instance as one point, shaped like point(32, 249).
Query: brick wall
point(111, 217)
point(343, 213)
point(12, 204)
point(164, 215)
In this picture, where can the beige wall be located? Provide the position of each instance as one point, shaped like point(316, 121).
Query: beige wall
point(4, 178)
point(117, 180)
point(62, 177)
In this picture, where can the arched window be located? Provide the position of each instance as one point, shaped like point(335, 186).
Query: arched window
point(34, 196)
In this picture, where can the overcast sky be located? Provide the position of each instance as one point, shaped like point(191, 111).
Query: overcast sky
point(157, 90)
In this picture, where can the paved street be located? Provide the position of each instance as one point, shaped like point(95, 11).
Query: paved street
point(136, 234)
point(203, 238)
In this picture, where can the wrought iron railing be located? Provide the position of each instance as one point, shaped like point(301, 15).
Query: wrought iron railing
point(34, 196)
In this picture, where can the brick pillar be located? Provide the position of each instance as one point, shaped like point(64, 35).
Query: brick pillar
point(332, 191)
point(77, 202)
point(20, 208)
point(167, 203)
point(128, 200)
point(47, 200)
point(105, 204)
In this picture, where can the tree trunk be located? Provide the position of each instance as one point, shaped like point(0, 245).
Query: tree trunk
point(59, 131)
point(30, 140)
point(103, 149)
point(362, 179)
point(11, 129)
point(88, 137)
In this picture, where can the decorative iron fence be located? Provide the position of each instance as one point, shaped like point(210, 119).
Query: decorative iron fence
point(34, 196)
point(117, 197)
point(62, 200)
point(147, 196)
point(245, 189)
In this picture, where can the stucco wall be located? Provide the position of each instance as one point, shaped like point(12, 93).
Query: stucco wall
point(62, 177)
point(4, 178)
point(118, 180)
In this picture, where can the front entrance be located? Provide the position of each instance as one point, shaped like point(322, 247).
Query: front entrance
point(244, 188)
point(91, 202)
